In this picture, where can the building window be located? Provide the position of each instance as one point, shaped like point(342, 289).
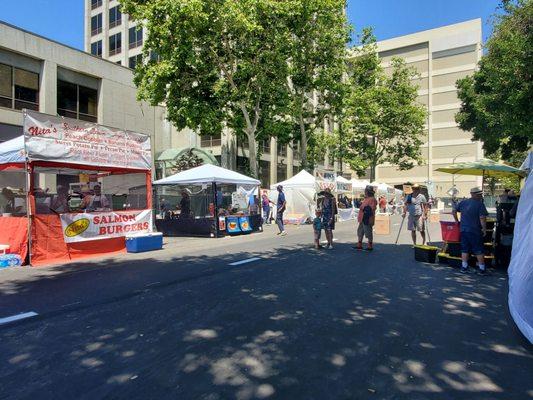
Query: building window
point(115, 44)
point(96, 24)
point(211, 141)
point(135, 37)
point(115, 17)
point(95, 4)
point(96, 48)
point(133, 61)
point(75, 101)
point(18, 88)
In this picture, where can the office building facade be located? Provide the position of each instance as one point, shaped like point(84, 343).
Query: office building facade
point(441, 56)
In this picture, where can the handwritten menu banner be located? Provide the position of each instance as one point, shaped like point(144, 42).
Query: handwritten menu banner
point(71, 141)
point(81, 227)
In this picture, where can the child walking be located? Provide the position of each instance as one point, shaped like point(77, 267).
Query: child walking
point(317, 228)
point(365, 218)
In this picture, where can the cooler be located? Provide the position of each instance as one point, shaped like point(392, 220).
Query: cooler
point(140, 243)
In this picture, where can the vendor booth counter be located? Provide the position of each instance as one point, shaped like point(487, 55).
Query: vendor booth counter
point(72, 189)
point(207, 201)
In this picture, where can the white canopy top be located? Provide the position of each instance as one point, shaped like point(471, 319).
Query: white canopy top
point(12, 151)
point(342, 179)
point(207, 174)
point(528, 162)
point(302, 179)
point(358, 184)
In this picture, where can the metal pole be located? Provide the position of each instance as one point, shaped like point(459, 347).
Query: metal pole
point(215, 215)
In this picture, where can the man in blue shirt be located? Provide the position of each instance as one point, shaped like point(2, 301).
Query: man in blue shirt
point(281, 206)
point(473, 228)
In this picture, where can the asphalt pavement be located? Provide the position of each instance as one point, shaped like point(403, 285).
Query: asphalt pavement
point(261, 317)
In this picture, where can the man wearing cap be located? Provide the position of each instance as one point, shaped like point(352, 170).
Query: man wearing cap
point(280, 208)
point(416, 206)
point(473, 228)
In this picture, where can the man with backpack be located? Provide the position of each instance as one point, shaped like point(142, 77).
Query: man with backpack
point(365, 218)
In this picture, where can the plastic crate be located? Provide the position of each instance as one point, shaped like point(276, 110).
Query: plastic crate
point(141, 243)
point(455, 262)
point(454, 249)
point(450, 231)
point(10, 260)
point(427, 254)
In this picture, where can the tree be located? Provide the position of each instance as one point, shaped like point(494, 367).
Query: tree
point(317, 60)
point(382, 122)
point(186, 161)
point(496, 99)
point(220, 63)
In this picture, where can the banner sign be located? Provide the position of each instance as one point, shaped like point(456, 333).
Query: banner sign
point(325, 179)
point(71, 141)
point(244, 223)
point(81, 227)
point(232, 225)
point(344, 187)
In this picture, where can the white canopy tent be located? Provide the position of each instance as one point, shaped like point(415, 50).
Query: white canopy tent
point(521, 271)
point(208, 174)
point(12, 151)
point(359, 186)
point(300, 192)
point(383, 188)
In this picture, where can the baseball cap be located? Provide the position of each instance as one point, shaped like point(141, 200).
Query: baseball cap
point(475, 190)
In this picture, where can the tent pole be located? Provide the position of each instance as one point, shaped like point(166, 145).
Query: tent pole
point(215, 214)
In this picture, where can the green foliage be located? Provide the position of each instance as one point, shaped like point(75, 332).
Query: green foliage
point(317, 54)
point(186, 161)
point(220, 63)
point(496, 100)
point(382, 122)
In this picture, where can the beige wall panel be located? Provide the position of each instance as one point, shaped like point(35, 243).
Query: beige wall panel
point(443, 98)
point(424, 100)
point(405, 52)
point(466, 150)
point(444, 116)
point(450, 134)
point(449, 79)
point(420, 66)
point(423, 83)
point(455, 61)
point(385, 173)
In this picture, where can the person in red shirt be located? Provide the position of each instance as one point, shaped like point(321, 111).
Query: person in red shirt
point(382, 204)
point(367, 211)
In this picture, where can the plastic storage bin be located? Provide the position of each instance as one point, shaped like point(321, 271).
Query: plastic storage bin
point(450, 231)
point(426, 254)
point(140, 243)
point(10, 260)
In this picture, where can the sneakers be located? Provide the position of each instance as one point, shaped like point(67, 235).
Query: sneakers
point(329, 247)
point(463, 270)
point(284, 233)
point(369, 248)
point(482, 271)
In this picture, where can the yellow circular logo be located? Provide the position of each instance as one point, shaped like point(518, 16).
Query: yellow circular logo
point(77, 227)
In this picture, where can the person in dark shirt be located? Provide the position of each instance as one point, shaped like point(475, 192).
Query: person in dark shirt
point(280, 209)
point(473, 228)
point(185, 205)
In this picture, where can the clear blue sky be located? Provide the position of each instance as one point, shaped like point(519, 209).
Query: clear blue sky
point(62, 20)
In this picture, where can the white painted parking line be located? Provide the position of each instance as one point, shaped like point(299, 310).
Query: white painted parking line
point(17, 317)
point(248, 260)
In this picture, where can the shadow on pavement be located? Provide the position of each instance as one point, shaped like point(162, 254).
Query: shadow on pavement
point(298, 324)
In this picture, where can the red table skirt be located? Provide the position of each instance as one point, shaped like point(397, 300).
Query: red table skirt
point(49, 247)
point(14, 232)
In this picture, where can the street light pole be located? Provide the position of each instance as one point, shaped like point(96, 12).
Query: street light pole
point(453, 175)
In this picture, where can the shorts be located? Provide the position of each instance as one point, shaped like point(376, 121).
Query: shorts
point(365, 230)
point(415, 223)
point(472, 243)
point(317, 234)
point(328, 223)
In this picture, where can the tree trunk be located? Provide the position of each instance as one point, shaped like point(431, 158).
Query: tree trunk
point(303, 143)
point(252, 155)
